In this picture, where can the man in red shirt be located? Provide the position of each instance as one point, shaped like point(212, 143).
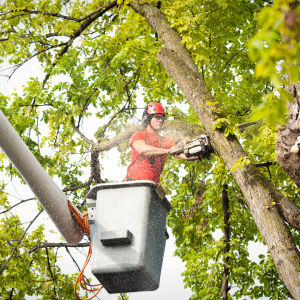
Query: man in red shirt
point(149, 150)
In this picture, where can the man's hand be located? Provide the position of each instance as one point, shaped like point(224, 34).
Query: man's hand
point(182, 156)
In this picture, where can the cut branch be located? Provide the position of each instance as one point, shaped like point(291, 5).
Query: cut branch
point(95, 167)
point(172, 129)
point(19, 241)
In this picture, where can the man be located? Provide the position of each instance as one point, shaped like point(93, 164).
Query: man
point(149, 150)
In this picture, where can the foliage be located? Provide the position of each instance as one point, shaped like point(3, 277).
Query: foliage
point(33, 274)
point(276, 49)
point(123, 297)
point(106, 73)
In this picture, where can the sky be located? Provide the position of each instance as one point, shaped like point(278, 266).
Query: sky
point(171, 284)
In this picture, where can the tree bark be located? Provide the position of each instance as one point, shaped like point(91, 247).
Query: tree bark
point(287, 136)
point(264, 200)
point(225, 203)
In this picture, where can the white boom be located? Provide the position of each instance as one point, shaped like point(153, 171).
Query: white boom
point(51, 197)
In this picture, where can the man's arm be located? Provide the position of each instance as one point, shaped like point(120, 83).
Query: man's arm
point(146, 150)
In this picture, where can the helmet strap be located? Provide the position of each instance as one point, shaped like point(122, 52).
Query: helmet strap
point(153, 128)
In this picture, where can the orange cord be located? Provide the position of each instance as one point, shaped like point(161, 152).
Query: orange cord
point(84, 225)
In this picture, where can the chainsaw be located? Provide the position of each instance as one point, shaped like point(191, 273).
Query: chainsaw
point(199, 146)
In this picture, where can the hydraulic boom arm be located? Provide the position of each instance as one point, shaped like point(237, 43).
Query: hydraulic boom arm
point(51, 197)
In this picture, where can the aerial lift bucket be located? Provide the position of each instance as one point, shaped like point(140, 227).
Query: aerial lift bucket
point(127, 223)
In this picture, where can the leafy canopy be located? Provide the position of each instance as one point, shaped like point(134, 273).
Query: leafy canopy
point(106, 69)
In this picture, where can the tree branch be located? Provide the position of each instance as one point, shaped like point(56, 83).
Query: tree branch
point(217, 257)
point(49, 266)
point(39, 52)
point(161, 25)
point(19, 241)
point(51, 34)
point(81, 134)
point(90, 19)
point(266, 164)
point(225, 202)
point(95, 166)
point(38, 12)
point(270, 2)
point(85, 106)
point(74, 261)
point(57, 245)
point(52, 275)
point(78, 186)
point(111, 119)
point(23, 201)
point(230, 60)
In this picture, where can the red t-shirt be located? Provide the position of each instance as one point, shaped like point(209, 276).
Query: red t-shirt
point(147, 167)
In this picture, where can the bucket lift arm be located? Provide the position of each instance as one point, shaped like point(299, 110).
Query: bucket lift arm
point(51, 197)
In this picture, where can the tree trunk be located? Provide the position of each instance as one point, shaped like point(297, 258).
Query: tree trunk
point(264, 200)
point(287, 136)
point(225, 203)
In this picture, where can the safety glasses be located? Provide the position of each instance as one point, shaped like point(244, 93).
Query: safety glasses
point(159, 118)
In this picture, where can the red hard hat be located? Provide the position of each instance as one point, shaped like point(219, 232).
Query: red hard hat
point(151, 109)
point(155, 108)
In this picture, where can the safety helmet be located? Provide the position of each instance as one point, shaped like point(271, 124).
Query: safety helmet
point(150, 110)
